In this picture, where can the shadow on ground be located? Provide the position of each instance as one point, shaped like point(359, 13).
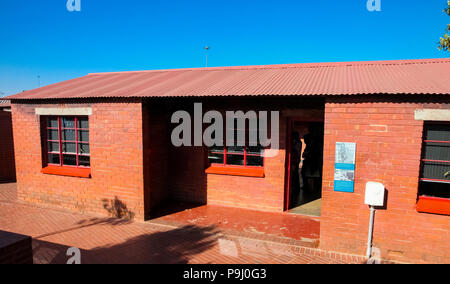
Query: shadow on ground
point(117, 209)
point(171, 207)
point(176, 246)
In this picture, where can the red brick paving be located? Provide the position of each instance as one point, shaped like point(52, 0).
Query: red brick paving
point(8, 192)
point(108, 240)
point(282, 227)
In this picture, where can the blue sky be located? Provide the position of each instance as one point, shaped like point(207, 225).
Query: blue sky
point(43, 38)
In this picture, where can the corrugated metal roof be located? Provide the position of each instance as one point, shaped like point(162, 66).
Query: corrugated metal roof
point(5, 103)
point(428, 76)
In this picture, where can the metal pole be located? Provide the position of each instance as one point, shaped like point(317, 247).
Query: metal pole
point(207, 48)
point(369, 240)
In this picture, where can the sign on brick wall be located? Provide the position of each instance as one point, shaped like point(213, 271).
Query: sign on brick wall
point(344, 168)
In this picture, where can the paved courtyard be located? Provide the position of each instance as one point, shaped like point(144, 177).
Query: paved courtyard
point(109, 240)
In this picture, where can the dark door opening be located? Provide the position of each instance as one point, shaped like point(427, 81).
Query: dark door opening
point(304, 167)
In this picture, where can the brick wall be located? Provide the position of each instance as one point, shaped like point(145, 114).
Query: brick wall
point(116, 144)
point(187, 174)
point(388, 150)
point(7, 165)
point(156, 151)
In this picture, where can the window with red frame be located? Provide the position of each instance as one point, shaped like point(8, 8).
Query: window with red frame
point(68, 141)
point(243, 156)
point(435, 172)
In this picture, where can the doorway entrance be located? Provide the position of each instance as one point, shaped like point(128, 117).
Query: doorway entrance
point(304, 163)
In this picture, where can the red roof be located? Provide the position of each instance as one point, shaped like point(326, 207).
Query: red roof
point(428, 76)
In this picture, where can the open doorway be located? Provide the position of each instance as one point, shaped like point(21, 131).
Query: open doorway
point(304, 167)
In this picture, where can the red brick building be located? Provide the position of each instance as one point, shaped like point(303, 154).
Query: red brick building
point(7, 166)
point(104, 140)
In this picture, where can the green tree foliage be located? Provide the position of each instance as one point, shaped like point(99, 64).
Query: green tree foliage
point(444, 43)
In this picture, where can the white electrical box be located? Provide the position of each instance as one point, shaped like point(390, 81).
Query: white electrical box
point(374, 194)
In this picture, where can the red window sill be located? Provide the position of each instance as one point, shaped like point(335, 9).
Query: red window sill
point(236, 171)
point(67, 171)
point(433, 205)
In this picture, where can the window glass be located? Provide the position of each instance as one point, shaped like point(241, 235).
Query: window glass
point(53, 122)
point(69, 148)
point(83, 149)
point(236, 149)
point(83, 136)
point(216, 158)
point(258, 150)
point(83, 123)
point(68, 135)
point(437, 151)
point(53, 147)
point(434, 189)
point(255, 161)
point(84, 161)
point(53, 134)
point(69, 160)
point(53, 159)
point(218, 149)
point(68, 122)
point(437, 132)
point(236, 160)
point(436, 170)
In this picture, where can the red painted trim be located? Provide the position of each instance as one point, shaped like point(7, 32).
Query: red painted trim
point(61, 154)
point(433, 205)
point(287, 179)
point(436, 141)
point(225, 154)
point(67, 171)
point(236, 171)
point(245, 154)
point(435, 161)
point(76, 141)
point(435, 180)
point(60, 141)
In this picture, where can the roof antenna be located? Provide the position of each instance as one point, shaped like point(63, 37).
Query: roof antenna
point(39, 80)
point(207, 48)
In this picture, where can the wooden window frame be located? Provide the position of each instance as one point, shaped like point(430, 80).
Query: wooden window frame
point(61, 168)
point(432, 204)
point(237, 170)
point(225, 153)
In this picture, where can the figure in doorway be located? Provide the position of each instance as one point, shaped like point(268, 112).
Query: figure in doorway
point(296, 155)
point(312, 159)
